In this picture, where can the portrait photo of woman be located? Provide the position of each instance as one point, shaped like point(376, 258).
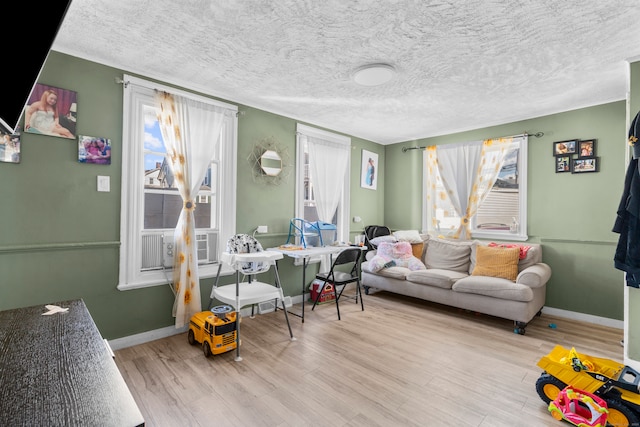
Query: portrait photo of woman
point(48, 111)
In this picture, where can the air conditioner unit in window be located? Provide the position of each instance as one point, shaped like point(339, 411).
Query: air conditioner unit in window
point(206, 248)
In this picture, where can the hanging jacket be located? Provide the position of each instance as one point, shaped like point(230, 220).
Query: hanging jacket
point(627, 223)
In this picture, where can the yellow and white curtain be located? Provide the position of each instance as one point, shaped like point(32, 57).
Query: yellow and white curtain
point(459, 178)
point(191, 133)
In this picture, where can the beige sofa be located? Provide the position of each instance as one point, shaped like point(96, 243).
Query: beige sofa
point(451, 278)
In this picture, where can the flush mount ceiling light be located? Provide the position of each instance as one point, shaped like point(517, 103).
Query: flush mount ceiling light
point(373, 74)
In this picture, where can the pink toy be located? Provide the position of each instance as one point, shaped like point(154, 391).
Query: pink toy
point(398, 254)
point(579, 407)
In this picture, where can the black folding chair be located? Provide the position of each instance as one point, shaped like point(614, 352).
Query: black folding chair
point(349, 260)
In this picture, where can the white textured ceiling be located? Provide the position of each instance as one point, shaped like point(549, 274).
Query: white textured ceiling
point(462, 64)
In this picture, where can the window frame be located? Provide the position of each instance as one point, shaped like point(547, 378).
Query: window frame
point(342, 223)
point(137, 93)
point(506, 235)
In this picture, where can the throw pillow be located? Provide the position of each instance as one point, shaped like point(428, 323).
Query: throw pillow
point(377, 240)
point(411, 236)
point(417, 248)
point(523, 248)
point(497, 262)
point(447, 254)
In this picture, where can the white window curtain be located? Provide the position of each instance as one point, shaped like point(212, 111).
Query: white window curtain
point(327, 182)
point(191, 132)
point(459, 178)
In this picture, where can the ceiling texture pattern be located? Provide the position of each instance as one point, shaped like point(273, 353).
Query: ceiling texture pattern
point(461, 64)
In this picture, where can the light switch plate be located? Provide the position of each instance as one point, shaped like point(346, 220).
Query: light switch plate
point(104, 183)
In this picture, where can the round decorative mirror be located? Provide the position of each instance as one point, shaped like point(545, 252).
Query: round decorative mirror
point(271, 163)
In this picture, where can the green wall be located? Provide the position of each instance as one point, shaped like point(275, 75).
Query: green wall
point(59, 237)
point(570, 215)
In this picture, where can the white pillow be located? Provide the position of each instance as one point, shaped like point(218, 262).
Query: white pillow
point(377, 240)
point(411, 236)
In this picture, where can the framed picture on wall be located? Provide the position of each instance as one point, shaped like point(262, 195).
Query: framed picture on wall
point(561, 148)
point(9, 144)
point(369, 174)
point(584, 165)
point(563, 164)
point(51, 111)
point(94, 150)
point(587, 148)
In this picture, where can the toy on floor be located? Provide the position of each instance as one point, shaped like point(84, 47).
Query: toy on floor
point(613, 382)
point(579, 408)
point(215, 330)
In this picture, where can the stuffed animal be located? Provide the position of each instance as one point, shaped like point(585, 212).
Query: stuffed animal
point(397, 254)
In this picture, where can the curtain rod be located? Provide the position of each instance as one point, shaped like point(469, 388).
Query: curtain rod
point(126, 84)
point(537, 135)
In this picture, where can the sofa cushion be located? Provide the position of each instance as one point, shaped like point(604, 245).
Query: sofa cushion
point(393, 272)
point(447, 254)
point(534, 255)
point(497, 262)
point(493, 287)
point(435, 277)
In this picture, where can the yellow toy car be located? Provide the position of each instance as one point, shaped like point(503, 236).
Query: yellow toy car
point(615, 383)
point(215, 330)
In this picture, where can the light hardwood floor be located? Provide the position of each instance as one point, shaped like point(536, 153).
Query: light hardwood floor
point(401, 362)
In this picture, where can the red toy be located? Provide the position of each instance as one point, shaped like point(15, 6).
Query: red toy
point(580, 408)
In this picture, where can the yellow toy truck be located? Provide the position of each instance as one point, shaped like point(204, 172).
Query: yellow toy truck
point(615, 383)
point(215, 330)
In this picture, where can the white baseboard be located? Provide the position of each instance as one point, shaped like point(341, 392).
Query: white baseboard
point(131, 340)
point(141, 338)
point(573, 315)
point(156, 334)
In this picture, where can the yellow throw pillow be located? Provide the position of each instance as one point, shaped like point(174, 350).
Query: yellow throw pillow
point(416, 248)
point(497, 262)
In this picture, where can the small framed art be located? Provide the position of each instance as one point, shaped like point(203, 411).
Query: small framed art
point(586, 148)
point(584, 165)
point(563, 164)
point(94, 150)
point(369, 173)
point(9, 144)
point(561, 148)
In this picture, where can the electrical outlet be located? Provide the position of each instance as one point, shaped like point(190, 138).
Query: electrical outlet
point(263, 229)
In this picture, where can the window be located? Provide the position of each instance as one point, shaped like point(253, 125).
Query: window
point(150, 202)
point(306, 203)
point(502, 212)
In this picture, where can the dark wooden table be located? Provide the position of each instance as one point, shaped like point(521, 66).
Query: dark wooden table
point(56, 370)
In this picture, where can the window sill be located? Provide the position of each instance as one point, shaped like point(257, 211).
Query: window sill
point(163, 278)
point(489, 235)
